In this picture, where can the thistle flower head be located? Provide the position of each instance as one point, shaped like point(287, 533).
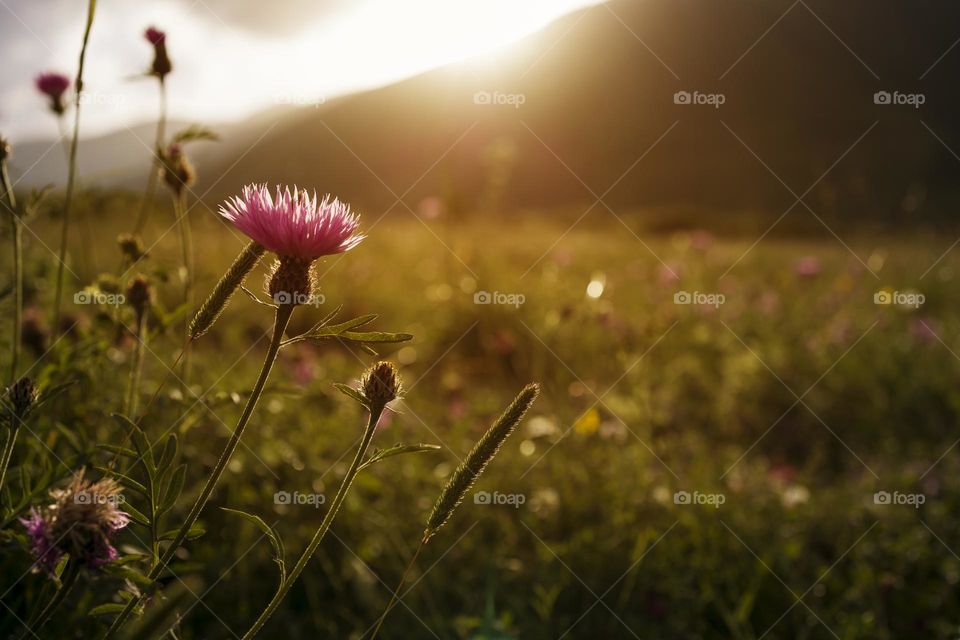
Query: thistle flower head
point(178, 172)
point(293, 224)
point(81, 521)
point(23, 394)
point(154, 36)
point(53, 85)
point(131, 246)
point(381, 384)
point(161, 61)
point(140, 295)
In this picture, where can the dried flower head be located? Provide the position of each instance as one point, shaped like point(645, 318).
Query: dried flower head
point(53, 85)
point(161, 61)
point(80, 522)
point(132, 247)
point(22, 394)
point(140, 295)
point(178, 172)
point(381, 384)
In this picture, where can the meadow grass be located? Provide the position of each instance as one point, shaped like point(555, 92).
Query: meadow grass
point(641, 398)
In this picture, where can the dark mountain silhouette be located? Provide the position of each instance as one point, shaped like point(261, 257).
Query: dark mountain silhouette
point(598, 88)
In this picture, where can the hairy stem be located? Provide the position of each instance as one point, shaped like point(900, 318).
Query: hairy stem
point(136, 366)
point(71, 172)
point(283, 318)
point(186, 248)
point(11, 441)
point(16, 234)
point(396, 592)
point(146, 204)
point(285, 586)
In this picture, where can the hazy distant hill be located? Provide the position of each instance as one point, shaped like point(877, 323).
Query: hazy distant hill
point(594, 92)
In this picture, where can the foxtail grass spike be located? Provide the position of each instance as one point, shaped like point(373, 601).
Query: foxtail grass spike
point(480, 456)
point(214, 305)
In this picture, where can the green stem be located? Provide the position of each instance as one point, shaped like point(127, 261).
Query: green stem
point(69, 580)
point(396, 592)
point(7, 453)
point(17, 235)
point(186, 248)
point(136, 366)
point(280, 325)
point(146, 204)
point(324, 526)
point(71, 172)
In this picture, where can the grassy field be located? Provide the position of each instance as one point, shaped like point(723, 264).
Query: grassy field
point(704, 470)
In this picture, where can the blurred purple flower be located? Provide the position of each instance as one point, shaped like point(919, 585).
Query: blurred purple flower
point(924, 330)
point(53, 85)
point(154, 36)
point(669, 273)
point(807, 267)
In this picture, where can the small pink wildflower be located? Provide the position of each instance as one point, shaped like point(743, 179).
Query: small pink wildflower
point(154, 36)
point(807, 267)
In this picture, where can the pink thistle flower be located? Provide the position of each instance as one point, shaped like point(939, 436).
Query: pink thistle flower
point(53, 85)
point(41, 540)
point(293, 224)
point(154, 36)
point(81, 521)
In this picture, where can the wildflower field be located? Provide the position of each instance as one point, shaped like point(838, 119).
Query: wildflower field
point(282, 412)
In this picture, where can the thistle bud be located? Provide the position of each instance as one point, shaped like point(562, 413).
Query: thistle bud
point(178, 172)
point(23, 394)
point(132, 247)
point(161, 61)
point(381, 384)
point(292, 281)
point(140, 295)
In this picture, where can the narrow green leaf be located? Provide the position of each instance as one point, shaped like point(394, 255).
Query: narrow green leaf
point(270, 532)
point(120, 451)
point(397, 450)
point(169, 452)
point(171, 491)
point(125, 480)
point(375, 336)
point(135, 515)
point(350, 392)
point(195, 532)
point(106, 609)
point(139, 439)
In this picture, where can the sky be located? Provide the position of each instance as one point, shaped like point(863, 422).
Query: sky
point(233, 58)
